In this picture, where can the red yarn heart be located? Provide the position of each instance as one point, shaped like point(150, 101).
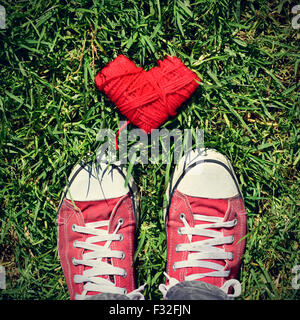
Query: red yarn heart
point(147, 98)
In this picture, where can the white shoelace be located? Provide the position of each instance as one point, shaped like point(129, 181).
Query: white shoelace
point(91, 277)
point(205, 249)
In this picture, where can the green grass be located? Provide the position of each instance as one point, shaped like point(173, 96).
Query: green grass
point(247, 55)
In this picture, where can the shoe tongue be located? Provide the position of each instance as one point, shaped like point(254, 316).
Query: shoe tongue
point(97, 211)
point(208, 207)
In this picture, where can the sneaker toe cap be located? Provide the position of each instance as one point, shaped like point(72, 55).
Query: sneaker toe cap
point(208, 175)
point(92, 182)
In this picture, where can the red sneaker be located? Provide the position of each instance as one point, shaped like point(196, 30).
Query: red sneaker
point(206, 223)
point(96, 231)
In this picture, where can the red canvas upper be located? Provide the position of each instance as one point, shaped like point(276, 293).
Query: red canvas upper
point(229, 209)
point(91, 211)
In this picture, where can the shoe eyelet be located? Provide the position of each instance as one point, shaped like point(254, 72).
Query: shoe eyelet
point(182, 216)
point(121, 237)
point(125, 274)
point(235, 222)
point(121, 221)
point(122, 256)
point(179, 231)
point(73, 227)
